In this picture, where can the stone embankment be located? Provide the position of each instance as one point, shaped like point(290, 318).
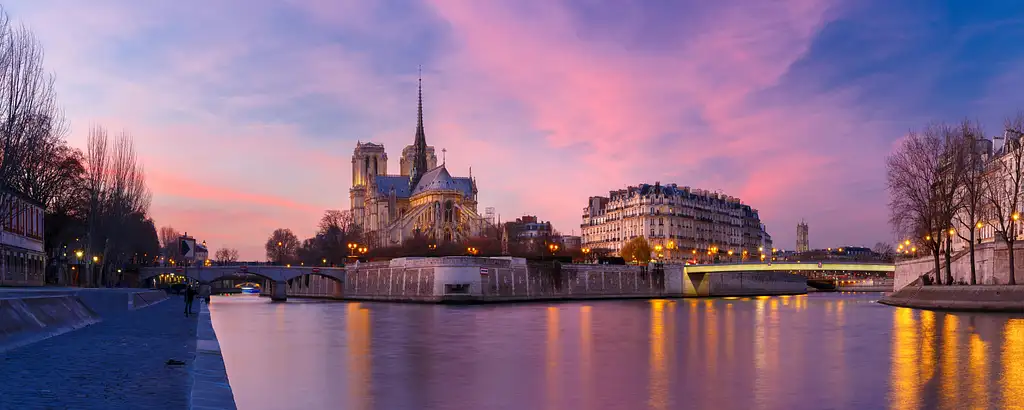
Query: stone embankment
point(210, 387)
point(979, 298)
point(504, 279)
point(31, 315)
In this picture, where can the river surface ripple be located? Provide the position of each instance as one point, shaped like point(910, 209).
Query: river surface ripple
point(820, 351)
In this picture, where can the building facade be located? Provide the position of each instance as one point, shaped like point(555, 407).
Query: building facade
point(803, 244)
point(21, 242)
point(423, 199)
point(685, 222)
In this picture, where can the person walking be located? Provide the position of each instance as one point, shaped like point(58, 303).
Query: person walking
point(204, 292)
point(190, 295)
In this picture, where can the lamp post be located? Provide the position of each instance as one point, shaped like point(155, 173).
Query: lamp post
point(586, 254)
point(352, 249)
point(657, 250)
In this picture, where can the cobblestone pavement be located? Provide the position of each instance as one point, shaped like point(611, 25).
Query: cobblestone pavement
point(119, 363)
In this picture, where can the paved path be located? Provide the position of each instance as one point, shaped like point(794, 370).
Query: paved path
point(119, 363)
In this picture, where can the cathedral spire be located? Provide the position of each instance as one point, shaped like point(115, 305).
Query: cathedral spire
point(419, 163)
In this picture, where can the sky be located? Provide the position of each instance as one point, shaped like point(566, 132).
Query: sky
point(246, 112)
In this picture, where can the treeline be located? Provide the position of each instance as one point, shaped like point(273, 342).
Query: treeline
point(946, 182)
point(339, 239)
point(95, 201)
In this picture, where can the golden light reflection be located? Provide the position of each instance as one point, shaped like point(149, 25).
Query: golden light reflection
point(692, 334)
point(553, 359)
point(1013, 364)
point(730, 334)
point(658, 379)
point(950, 363)
point(357, 327)
point(905, 389)
point(978, 372)
point(586, 354)
point(927, 346)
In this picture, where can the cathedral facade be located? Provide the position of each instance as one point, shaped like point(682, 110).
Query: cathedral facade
point(424, 198)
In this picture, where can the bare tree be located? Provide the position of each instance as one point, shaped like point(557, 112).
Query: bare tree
point(169, 241)
point(333, 219)
point(912, 174)
point(95, 186)
point(1003, 187)
point(226, 255)
point(30, 122)
point(885, 251)
point(116, 185)
point(282, 246)
point(970, 192)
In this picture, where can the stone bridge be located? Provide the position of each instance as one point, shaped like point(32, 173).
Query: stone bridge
point(276, 276)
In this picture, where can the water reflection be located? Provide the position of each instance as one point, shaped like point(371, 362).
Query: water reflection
point(553, 359)
point(801, 352)
point(1013, 365)
point(357, 327)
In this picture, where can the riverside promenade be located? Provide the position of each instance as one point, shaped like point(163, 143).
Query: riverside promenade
point(120, 362)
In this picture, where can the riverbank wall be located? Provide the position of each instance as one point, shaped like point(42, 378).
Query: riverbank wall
point(208, 375)
point(991, 261)
point(31, 315)
point(977, 298)
point(506, 279)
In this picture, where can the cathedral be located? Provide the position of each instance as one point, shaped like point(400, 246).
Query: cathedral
point(423, 198)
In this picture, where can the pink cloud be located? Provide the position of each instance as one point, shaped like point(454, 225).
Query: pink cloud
point(545, 115)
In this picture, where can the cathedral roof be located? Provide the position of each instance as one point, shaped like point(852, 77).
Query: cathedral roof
point(439, 179)
point(400, 183)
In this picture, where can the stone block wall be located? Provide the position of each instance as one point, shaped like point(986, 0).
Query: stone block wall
point(314, 286)
point(498, 279)
point(992, 266)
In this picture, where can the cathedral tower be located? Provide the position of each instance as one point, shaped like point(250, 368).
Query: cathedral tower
point(368, 161)
point(419, 164)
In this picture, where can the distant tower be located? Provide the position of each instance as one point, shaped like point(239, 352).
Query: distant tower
point(802, 243)
point(489, 214)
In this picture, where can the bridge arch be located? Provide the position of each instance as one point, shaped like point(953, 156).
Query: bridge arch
point(278, 278)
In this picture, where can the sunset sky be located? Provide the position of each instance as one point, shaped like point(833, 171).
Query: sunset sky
point(246, 112)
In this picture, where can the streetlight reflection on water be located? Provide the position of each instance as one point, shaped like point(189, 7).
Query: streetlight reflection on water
point(794, 352)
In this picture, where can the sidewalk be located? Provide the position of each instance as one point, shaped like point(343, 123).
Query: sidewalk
point(119, 363)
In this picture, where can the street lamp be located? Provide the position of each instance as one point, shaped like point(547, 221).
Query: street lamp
point(95, 259)
point(364, 250)
point(586, 253)
point(352, 249)
point(553, 248)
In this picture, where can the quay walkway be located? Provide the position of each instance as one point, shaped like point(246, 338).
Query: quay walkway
point(121, 362)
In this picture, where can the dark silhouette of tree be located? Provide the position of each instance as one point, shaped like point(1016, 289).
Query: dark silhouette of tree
point(282, 247)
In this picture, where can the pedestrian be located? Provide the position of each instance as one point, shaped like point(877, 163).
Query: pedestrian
point(190, 295)
point(204, 292)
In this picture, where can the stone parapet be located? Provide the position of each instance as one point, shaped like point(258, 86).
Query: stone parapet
point(980, 298)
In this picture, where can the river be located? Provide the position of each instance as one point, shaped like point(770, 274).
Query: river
point(820, 351)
